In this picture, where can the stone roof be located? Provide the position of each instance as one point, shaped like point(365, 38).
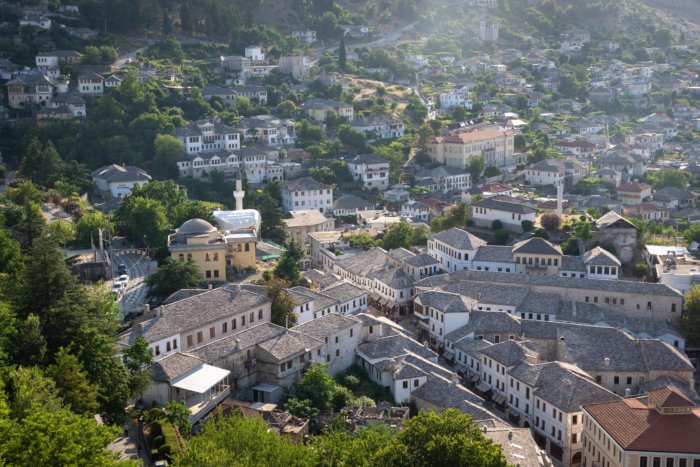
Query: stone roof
point(548, 165)
point(181, 295)
point(572, 263)
point(600, 257)
point(395, 278)
point(509, 353)
point(444, 393)
point(326, 326)
point(288, 344)
point(234, 343)
point(494, 253)
point(304, 184)
point(302, 295)
point(394, 346)
point(351, 202)
point(195, 227)
point(671, 193)
point(173, 366)
point(194, 128)
point(368, 159)
point(194, 312)
point(485, 322)
point(504, 203)
point(537, 246)
point(620, 286)
point(610, 218)
point(420, 260)
point(459, 239)
point(344, 292)
point(121, 173)
point(320, 103)
point(400, 254)
point(633, 187)
point(445, 302)
point(363, 263)
point(567, 390)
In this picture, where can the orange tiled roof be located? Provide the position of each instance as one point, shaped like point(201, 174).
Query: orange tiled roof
point(639, 426)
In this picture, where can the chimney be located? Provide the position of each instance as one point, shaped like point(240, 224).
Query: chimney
point(486, 428)
point(606, 361)
point(628, 392)
point(209, 286)
point(573, 308)
point(238, 195)
point(238, 344)
point(146, 310)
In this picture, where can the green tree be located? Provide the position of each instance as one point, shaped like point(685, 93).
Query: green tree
point(40, 164)
point(145, 219)
point(137, 359)
point(550, 221)
point(282, 308)
point(447, 438)
point(342, 54)
point(171, 276)
point(72, 383)
point(670, 177)
point(287, 267)
point(398, 236)
point(168, 151)
point(476, 167)
point(88, 226)
point(32, 391)
point(501, 237)
point(272, 226)
point(690, 320)
point(238, 440)
point(61, 231)
point(179, 415)
point(341, 447)
point(317, 386)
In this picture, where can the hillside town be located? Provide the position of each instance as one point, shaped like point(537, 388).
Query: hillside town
point(458, 233)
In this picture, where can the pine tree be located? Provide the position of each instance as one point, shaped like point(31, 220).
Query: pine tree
point(342, 54)
point(72, 383)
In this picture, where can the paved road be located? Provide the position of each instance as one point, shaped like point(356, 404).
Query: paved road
point(138, 266)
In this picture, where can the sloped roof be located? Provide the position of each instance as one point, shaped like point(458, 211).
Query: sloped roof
point(459, 239)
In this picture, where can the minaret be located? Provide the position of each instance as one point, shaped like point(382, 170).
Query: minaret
point(238, 195)
point(560, 199)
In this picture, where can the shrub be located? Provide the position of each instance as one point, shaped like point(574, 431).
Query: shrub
point(496, 225)
point(166, 451)
point(640, 269)
point(158, 441)
point(156, 429)
point(541, 233)
point(154, 414)
point(351, 381)
point(501, 237)
point(526, 225)
point(550, 221)
point(341, 397)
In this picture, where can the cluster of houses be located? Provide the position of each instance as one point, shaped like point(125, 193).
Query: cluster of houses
point(514, 326)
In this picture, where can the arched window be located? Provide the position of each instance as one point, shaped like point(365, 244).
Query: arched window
point(189, 256)
point(216, 256)
point(207, 258)
point(181, 257)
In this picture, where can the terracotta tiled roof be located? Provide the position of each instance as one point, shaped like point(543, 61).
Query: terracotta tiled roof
point(639, 426)
point(468, 137)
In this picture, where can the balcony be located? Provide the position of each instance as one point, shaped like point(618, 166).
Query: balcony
point(200, 404)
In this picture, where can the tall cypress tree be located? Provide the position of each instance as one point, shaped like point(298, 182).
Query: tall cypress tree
point(342, 54)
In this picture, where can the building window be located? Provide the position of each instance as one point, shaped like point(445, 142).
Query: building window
point(200, 337)
point(405, 384)
point(157, 350)
point(208, 274)
point(243, 320)
point(337, 352)
point(224, 328)
point(616, 380)
point(598, 379)
point(167, 346)
point(643, 462)
point(189, 341)
point(212, 332)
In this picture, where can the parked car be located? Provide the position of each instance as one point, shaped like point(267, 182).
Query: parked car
point(121, 269)
point(124, 280)
point(117, 289)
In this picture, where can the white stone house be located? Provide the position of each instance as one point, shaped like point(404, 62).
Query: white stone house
point(305, 194)
point(371, 171)
point(119, 180)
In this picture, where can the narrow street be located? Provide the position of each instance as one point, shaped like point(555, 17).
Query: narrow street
point(139, 267)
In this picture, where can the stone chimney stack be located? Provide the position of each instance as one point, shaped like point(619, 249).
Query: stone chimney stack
point(238, 195)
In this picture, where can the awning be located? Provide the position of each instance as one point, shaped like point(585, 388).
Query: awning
point(483, 387)
point(462, 368)
point(202, 379)
point(498, 398)
point(474, 378)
